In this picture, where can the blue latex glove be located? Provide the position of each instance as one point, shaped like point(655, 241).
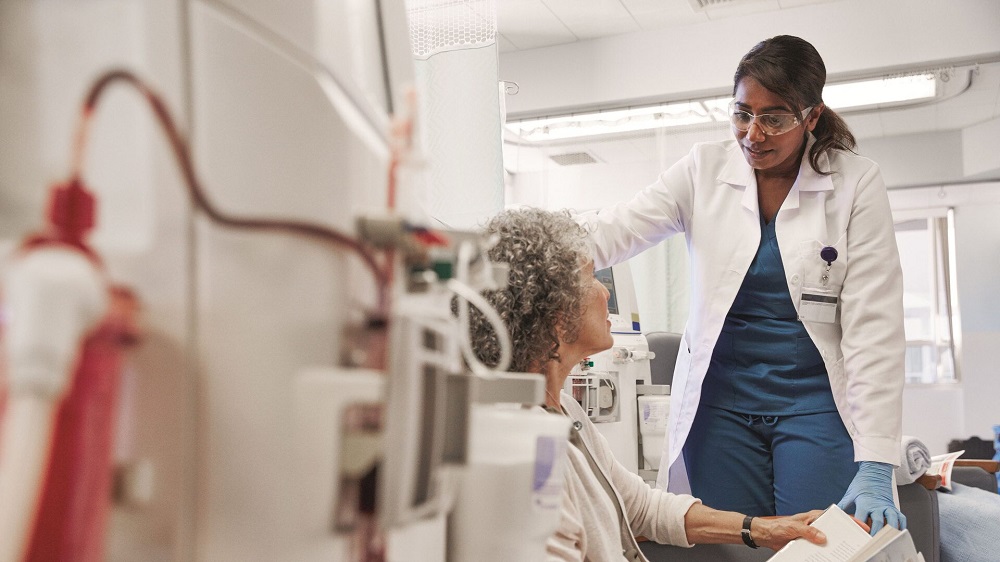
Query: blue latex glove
point(871, 494)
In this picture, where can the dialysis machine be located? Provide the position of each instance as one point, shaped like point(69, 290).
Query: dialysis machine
point(397, 444)
point(614, 386)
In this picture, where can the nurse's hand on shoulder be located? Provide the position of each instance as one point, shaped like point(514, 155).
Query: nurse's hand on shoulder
point(776, 532)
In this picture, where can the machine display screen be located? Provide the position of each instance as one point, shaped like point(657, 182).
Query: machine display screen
point(608, 280)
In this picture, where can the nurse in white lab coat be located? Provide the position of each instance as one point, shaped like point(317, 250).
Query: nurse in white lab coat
point(788, 385)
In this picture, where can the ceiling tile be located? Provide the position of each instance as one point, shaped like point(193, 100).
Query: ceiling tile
point(601, 28)
point(575, 11)
point(723, 11)
point(535, 40)
point(589, 19)
point(651, 21)
point(656, 5)
point(796, 3)
point(657, 14)
point(529, 24)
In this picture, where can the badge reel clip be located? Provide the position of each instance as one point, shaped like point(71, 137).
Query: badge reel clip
point(819, 304)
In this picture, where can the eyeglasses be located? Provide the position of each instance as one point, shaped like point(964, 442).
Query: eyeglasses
point(770, 124)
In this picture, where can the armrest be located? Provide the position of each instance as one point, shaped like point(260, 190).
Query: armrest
point(974, 476)
point(930, 481)
point(920, 506)
point(989, 466)
point(968, 475)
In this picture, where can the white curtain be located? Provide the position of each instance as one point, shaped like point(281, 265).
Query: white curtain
point(455, 51)
point(661, 274)
point(661, 286)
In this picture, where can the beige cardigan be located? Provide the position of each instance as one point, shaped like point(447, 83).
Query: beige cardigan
point(589, 529)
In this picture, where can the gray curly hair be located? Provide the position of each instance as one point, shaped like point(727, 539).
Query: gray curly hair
point(544, 294)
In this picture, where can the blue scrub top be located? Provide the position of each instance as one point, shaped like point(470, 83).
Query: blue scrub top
point(764, 362)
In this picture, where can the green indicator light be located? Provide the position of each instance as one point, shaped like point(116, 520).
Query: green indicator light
point(443, 269)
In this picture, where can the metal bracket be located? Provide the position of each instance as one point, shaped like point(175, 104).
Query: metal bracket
point(651, 389)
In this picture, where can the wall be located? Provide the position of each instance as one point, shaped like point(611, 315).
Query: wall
point(918, 159)
point(979, 155)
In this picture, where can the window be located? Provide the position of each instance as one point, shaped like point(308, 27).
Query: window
point(930, 307)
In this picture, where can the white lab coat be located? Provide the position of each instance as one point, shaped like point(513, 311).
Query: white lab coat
point(711, 196)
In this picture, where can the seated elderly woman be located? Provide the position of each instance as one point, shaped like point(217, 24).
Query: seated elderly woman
point(557, 314)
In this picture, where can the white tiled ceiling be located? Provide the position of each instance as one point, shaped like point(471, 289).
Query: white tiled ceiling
point(596, 19)
point(658, 14)
point(529, 24)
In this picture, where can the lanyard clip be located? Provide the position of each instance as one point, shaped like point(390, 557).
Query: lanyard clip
point(829, 255)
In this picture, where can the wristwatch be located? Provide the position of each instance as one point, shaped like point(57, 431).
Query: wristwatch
point(747, 539)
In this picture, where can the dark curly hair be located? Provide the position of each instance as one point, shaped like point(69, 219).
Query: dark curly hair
point(544, 295)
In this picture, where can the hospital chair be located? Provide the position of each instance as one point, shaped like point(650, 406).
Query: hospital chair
point(919, 504)
point(665, 345)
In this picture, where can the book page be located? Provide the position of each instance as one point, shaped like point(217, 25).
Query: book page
point(844, 537)
point(888, 545)
point(883, 537)
point(941, 465)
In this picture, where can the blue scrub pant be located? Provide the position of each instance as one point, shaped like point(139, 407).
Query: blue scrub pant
point(768, 465)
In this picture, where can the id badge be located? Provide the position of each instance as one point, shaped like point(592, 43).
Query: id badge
point(818, 305)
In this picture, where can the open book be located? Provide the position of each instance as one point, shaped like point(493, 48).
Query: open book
point(846, 541)
point(941, 465)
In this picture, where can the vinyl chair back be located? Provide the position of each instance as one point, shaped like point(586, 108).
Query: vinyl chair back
point(665, 345)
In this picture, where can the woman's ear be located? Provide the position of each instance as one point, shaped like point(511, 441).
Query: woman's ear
point(813, 118)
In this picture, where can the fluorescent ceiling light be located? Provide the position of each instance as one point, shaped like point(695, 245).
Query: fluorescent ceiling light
point(848, 95)
point(612, 121)
point(880, 91)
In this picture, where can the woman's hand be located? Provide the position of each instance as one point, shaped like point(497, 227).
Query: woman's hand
point(871, 495)
point(704, 525)
point(776, 532)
